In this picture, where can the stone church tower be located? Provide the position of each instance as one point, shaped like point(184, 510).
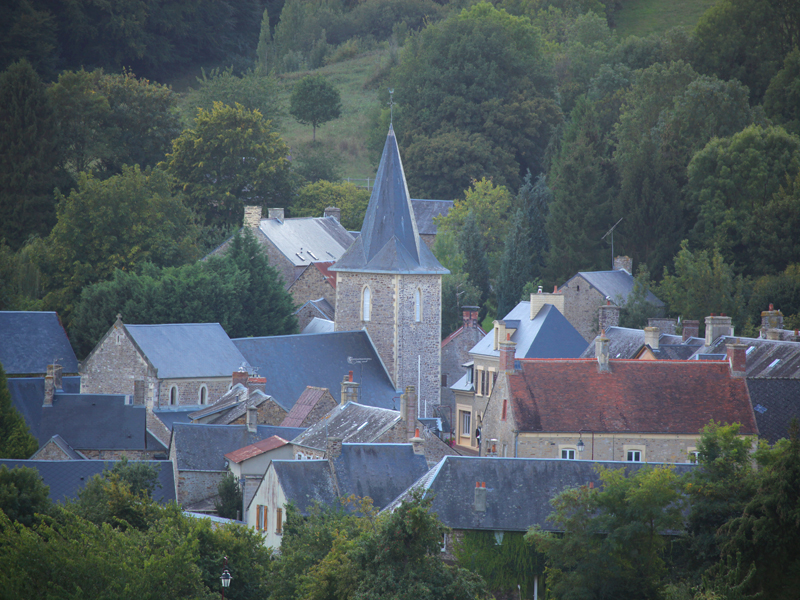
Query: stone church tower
point(389, 283)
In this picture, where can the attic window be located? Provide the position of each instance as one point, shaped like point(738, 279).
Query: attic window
point(774, 363)
point(760, 408)
point(312, 254)
point(299, 256)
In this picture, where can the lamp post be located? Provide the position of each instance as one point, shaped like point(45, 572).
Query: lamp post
point(581, 445)
point(225, 578)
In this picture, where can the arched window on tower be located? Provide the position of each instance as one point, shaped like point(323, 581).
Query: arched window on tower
point(173, 395)
point(418, 305)
point(366, 303)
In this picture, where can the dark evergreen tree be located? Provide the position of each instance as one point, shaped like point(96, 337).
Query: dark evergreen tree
point(457, 291)
point(476, 266)
point(534, 198)
point(515, 268)
point(230, 498)
point(16, 440)
point(29, 156)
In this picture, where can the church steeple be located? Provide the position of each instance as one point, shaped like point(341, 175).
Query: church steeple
point(389, 241)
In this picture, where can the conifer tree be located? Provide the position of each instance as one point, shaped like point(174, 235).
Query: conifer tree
point(28, 155)
point(263, 48)
point(476, 265)
point(15, 439)
point(515, 268)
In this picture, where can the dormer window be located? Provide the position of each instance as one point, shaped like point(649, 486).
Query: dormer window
point(366, 303)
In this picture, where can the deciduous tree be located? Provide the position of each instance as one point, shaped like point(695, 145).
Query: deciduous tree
point(315, 101)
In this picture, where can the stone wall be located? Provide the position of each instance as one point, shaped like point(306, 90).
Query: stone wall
point(325, 405)
point(120, 454)
point(276, 258)
point(581, 304)
point(268, 412)
point(195, 486)
point(312, 285)
point(189, 390)
point(50, 451)
point(305, 315)
point(455, 354)
point(114, 365)
point(428, 238)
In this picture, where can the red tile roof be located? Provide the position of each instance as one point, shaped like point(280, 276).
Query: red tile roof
point(457, 333)
point(305, 403)
point(323, 268)
point(636, 396)
point(252, 450)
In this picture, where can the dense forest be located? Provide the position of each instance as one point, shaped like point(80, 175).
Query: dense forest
point(544, 124)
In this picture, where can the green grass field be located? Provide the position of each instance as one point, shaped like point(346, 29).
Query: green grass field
point(643, 17)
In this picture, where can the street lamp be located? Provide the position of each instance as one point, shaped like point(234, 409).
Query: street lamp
point(225, 578)
point(581, 445)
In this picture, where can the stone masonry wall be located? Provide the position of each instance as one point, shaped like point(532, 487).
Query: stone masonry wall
point(382, 317)
point(311, 285)
point(279, 261)
point(189, 390)
point(455, 354)
point(305, 315)
point(656, 447)
point(325, 405)
point(114, 364)
point(119, 454)
point(194, 486)
point(581, 305)
point(269, 413)
point(51, 451)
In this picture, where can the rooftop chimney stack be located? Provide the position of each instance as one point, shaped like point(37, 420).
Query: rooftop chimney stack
point(349, 389)
point(332, 211)
point(480, 497)
point(240, 376)
point(276, 213)
point(50, 384)
point(651, 337)
point(252, 419)
point(737, 358)
point(771, 319)
point(691, 329)
point(470, 315)
point(601, 350)
point(408, 410)
point(252, 217)
point(333, 448)
point(256, 383)
point(623, 262)
point(608, 315)
point(418, 443)
point(717, 326)
point(540, 298)
point(508, 351)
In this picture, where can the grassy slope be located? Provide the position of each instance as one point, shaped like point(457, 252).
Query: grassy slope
point(643, 17)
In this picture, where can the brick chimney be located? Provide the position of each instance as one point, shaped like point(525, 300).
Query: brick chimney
point(349, 390)
point(668, 326)
point(470, 315)
point(691, 329)
point(623, 262)
point(332, 211)
point(737, 358)
point(333, 448)
point(418, 443)
point(252, 419)
point(480, 497)
point(539, 299)
point(276, 213)
point(252, 216)
point(601, 350)
point(651, 337)
point(256, 383)
point(138, 392)
point(408, 410)
point(608, 315)
point(717, 326)
point(508, 351)
point(771, 319)
point(240, 376)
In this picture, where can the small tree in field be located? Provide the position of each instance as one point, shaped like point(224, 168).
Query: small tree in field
point(315, 101)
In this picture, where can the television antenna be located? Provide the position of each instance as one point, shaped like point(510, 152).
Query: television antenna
point(391, 107)
point(611, 231)
point(359, 361)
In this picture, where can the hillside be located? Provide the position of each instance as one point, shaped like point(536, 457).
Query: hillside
point(643, 17)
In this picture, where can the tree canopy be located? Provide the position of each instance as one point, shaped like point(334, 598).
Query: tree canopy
point(315, 101)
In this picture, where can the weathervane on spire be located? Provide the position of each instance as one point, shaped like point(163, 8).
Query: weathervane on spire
point(391, 107)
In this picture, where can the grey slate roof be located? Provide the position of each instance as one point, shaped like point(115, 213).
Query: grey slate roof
point(27, 396)
point(616, 285)
point(186, 350)
point(67, 477)
point(674, 352)
point(425, 211)
point(353, 423)
point(317, 325)
point(624, 342)
point(31, 340)
point(307, 239)
point(518, 490)
point(176, 415)
point(97, 422)
point(200, 447)
point(775, 403)
point(292, 362)
point(321, 307)
point(377, 471)
point(765, 358)
point(64, 446)
point(235, 395)
point(389, 240)
point(548, 335)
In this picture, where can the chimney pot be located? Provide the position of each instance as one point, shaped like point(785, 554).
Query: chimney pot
point(240, 377)
point(691, 328)
point(276, 213)
point(332, 211)
point(508, 351)
point(771, 306)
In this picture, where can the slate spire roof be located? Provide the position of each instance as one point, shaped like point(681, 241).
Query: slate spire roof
point(389, 240)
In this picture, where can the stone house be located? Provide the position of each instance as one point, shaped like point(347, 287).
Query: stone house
point(588, 291)
point(389, 283)
point(377, 471)
point(313, 283)
point(502, 497)
point(245, 401)
point(162, 365)
point(314, 309)
point(198, 452)
point(425, 213)
point(630, 410)
point(455, 361)
point(31, 340)
point(290, 363)
point(538, 330)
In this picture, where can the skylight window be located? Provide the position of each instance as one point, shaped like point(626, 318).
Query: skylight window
point(312, 254)
point(761, 409)
point(749, 350)
point(774, 363)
